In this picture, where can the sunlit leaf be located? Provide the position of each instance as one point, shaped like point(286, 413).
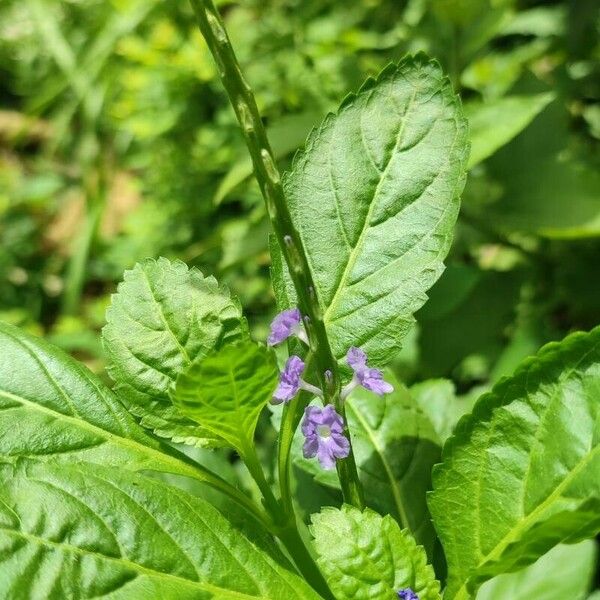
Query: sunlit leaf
point(163, 317)
point(375, 196)
point(522, 473)
point(364, 555)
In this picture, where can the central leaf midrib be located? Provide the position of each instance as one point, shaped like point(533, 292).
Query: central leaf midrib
point(128, 564)
point(393, 484)
point(366, 224)
point(163, 459)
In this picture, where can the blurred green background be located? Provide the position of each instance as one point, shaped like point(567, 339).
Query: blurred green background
point(118, 143)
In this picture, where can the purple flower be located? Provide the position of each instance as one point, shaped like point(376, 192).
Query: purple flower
point(407, 594)
point(370, 379)
point(289, 380)
point(323, 429)
point(284, 325)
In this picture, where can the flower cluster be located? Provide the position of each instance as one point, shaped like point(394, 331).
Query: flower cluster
point(323, 428)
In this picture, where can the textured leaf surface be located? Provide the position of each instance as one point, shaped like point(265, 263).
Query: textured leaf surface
point(375, 196)
point(163, 317)
point(564, 572)
point(395, 447)
point(494, 123)
point(88, 531)
point(54, 409)
point(522, 473)
point(226, 391)
point(367, 557)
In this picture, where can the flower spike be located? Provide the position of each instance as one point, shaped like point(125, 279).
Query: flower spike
point(323, 429)
point(370, 379)
point(286, 324)
point(407, 594)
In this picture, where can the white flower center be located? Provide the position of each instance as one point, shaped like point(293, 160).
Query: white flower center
point(324, 431)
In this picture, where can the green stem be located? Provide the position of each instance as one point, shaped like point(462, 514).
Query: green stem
point(184, 465)
point(248, 454)
point(305, 563)
point(285, 525)
point(269, 181)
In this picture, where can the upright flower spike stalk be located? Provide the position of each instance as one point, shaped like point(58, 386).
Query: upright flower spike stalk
point(269, 180)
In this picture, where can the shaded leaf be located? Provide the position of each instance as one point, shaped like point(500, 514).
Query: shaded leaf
point(395, 448)
point(522, 473)
point(364, 555)
point(226, 391)
point(494, 123)
point(438, 400)
point(564, 572)
point(375, 198)
point(163, 317)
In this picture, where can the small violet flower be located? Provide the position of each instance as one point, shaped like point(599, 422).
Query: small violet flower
point(290, 382)
point(286, 324)
point(323, 429)
point(370, 379)
point(407, 594)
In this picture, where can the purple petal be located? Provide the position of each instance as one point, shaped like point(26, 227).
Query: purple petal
point(284, 325)
point(407, 594)
point(289, 380)
point(322, 428)
point(372, 379)
point(311, 446)
point(356, 358)
point(311, 420)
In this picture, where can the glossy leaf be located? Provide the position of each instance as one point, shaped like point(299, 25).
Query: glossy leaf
point(375, 195)
point(494, 123)
point(522, 473)
point(564, 572)
point(364, 555)
point(54, 409)
point(226, 391)
point(163, 317)
point(89, 531)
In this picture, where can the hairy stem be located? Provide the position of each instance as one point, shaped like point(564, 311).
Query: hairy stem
point(269, 180)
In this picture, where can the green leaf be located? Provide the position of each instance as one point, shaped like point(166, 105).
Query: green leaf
point(226, 391)
point(494, 123)
point(163, 317)
point(548, 188)
point(438, 400)
point(564, 572)
point(54, 410)
point(364, 555)
point(395, 448)
point(522, 472)
point(375, 196)
point(89, 531)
